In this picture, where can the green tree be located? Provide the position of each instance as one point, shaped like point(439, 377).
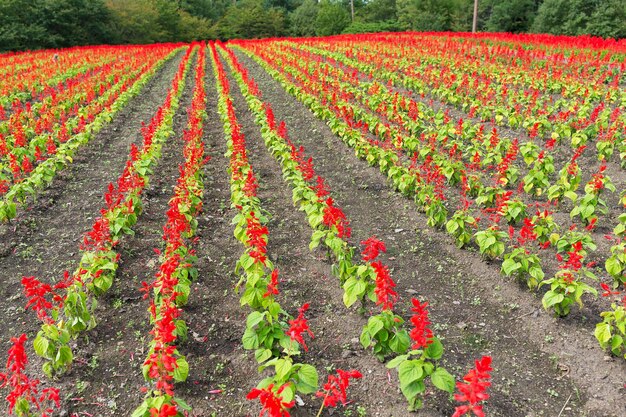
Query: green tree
point(608, 20)
point(302, 20)
point(21, 26)
point(427, 15)
point(249, 19)
point(566, 17)
point(378, 11)
point(136, 21)
point(53, 23)
point(512, 16)
point(332, 18)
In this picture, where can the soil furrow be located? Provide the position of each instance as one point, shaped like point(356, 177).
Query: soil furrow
point(44, 241)
point(115, 350)
point(539, 362)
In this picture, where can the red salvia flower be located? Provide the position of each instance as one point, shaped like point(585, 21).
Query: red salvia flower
point(336, 386)
point(272, 402)
point(474, 391)
point(421, 335)
point(272, 287)
point(607, 290)
point(334, 216)
point(385, 295)
point(298, 326)
point(22, 387)
point(166, 410)
point(373, 247)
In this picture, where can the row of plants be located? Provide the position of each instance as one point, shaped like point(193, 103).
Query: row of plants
point(587, 104)
point(54, 85)
point(587, 207)
point(32, 134)
point(489, 155)
point(419, 351)
point(275, 336)
point(521, 262)
point(68, 307)
point(171, 287)
point(62, 149)
point(491, 241)
point(30, 76)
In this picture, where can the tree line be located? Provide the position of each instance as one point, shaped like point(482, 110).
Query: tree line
point(27, 24)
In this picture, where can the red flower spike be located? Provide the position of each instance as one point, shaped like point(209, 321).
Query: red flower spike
point(166, 410)
point(272, 287)
point(421, 335)
point(272, 402)
point(22, 387)
point(474, 391)
point(298, 326)
point(373, 247)
point(336, 387)
point(385, 295)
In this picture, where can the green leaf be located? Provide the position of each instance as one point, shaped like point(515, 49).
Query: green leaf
point(434, 350)
point(250, 340)
point(399, 343)
point(443, 380)
point(254, 318)
point(413, 389)
point(410, 371)
point(509, 266)
point(283, 367)
point(395, 362)
point(182, 369)
point(261, 355)
point(551, 298)
point(603, 333)
point(308, 379)
point(141, 410)
point(613, 266)
point(64, 355)
point(41, 346)
point(365, 338)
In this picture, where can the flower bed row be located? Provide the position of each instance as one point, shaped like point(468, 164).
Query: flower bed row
point(67, 308)
point(566, 288)
point(99, 113)
point(384, 333)
point(170, 289)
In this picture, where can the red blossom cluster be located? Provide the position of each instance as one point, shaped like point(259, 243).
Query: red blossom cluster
point(474, 390)
point(386, 297)
point(421, 334)
point(272, 401)
point(257, 238)
point(373, 246)
point(299, 326)
point(45, 297)
point(334, 216)
point(22, 388)
point(334, 390)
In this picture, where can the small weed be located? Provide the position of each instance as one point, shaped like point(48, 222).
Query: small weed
point(93, 362)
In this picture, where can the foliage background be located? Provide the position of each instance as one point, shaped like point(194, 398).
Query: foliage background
point(35, 24)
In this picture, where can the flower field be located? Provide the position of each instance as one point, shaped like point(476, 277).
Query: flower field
point(361, 225)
